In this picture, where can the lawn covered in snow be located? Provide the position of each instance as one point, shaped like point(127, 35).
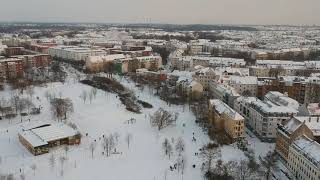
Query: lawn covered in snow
point(144, 159)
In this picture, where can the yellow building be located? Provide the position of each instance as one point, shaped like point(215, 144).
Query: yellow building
point(224, 117)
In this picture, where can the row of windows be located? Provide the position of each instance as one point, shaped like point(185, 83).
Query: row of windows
point(304, 167)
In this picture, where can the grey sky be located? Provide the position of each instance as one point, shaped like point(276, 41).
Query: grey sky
point(298, 12)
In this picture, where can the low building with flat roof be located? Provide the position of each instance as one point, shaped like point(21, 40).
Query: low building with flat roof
point(39, 137)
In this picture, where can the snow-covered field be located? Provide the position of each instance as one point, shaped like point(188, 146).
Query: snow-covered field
point(143, 160)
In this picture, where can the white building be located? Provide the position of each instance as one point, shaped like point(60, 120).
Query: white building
point(264, 116)
point(74, 53)
point(304, 159)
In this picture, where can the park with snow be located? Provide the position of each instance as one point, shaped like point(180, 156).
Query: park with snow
point(138, 153)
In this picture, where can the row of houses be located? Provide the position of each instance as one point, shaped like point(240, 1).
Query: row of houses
point(274, 68)
point(16, 66)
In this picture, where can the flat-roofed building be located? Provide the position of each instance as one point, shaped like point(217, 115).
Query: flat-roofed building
point(38, 138)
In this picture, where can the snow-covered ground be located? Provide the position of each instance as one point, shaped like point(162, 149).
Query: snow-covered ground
point(143, 160)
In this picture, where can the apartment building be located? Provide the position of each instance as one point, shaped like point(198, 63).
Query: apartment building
point(302, 89)
point(99, 63)
point(12, 51)
point(304, 159)
point(224, 117)
point(312, 109)
point(205, 76)
point(275, 68)
point(264, 116)
point(74, 53)
point(131, 64)
point(12, 68)
point(294, 128)
point(224, 92)
point(244, 85)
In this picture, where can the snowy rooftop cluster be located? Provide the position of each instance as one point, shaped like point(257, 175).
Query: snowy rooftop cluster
point(288, 64)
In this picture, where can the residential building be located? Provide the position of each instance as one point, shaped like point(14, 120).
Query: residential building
point(205, 76)
point(294, 128)
point(263, 117)
point(312, 109)
point(224, 92)
point(226, 118)
point(304, 159)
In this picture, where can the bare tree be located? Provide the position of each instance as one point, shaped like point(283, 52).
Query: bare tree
point(10, 177)
point(66, 149)
point(52, 161)
point(92, 148)
point(84, 96)
point(30, 91)
point(62, 160)
point(242, 170)
point(22, 176)
point(94, 92)
point(167, 147)
point(61, 107)
point(108, 144)
point(48, 95)
point(34, 167)
point(180, 146)
point(209, 153)
point(269, 163)
point(128, 139)
point(162, 118)
point(181, 164)
point(90, 97)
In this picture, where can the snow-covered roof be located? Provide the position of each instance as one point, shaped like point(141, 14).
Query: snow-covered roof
point(281, 99)
point(110, 57)
point(39, 134)
point(314, 109)
point(308, 148)
point(249, 80)
point(221, 107)
point(313, 123)
point(54, 132)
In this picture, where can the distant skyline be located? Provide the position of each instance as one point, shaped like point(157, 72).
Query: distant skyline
point(250, 12)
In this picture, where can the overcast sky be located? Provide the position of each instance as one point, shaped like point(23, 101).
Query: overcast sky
point(299, 12)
